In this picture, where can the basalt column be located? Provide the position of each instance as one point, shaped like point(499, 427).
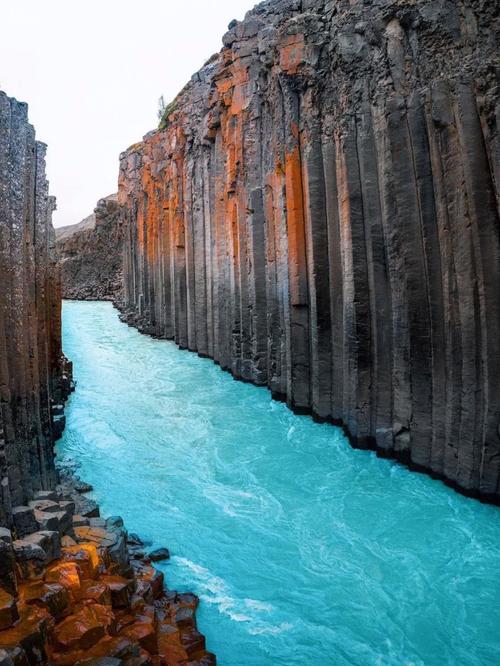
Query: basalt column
point(319, 213)
point(31, 363)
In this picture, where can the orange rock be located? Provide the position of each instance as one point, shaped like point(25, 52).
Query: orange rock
point(123, 620)
point(192, 641)
point(173, 655)
point(8, 610)
point(85, 554)
point(187, 600)
point(84, 629)
point(185, 618)
point(95, 591)
point(66, 574)
point(168, 634)
point(29, 633)
point(206, 659)
point(117, 646)
point(120, 588)
point(292, 53)
point(144, 633)
point(52, 596)
point(150, 575)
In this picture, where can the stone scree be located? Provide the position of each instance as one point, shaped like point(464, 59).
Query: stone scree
point(319, 213)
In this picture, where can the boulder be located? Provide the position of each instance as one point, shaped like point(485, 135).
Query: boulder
point(51, 495)
point(45, 505)
point(8, 610)
point(80, 521)
point(29, 635)
point(121, 590)
point(30, 558)
point(66, 574)
point(87, 558)
point(84, 629)
point(5, 658)
point(7, 563)
point(46, 521)
point(159, 554)
point(24, 521)
point(52, 596)
point(49, 541)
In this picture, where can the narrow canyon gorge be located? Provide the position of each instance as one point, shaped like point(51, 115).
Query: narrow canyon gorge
point(318, 212)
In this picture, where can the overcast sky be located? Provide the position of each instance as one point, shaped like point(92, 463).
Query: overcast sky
point(92, 73)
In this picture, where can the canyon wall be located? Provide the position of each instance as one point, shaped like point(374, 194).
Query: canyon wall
point(319, 213)
point(90, 254)
point(34, 376)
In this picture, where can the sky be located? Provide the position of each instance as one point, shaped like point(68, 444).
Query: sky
point(92, 72)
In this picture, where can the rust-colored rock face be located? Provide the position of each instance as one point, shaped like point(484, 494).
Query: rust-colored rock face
point(319, 214)
point(90, 255)
point(32, 377)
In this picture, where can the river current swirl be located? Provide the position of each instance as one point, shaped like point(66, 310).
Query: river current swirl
point(302, 550)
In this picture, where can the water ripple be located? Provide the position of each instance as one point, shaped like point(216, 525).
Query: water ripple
point(303, 551)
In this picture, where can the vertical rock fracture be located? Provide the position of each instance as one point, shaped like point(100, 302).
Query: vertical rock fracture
point(319, 213)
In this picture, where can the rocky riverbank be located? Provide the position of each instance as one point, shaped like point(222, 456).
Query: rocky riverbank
point(78, 589)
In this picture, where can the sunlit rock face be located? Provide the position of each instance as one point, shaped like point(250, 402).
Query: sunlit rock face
point(90, 254)
point(32, 377)
point(319, 214)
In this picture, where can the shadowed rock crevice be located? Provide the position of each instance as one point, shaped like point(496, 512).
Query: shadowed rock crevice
point(318, 213)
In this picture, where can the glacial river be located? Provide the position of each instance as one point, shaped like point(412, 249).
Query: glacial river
point(303, 551)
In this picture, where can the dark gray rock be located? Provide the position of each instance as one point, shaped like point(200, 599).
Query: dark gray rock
point(8, 580)
point(24, 520)
point(159, 554)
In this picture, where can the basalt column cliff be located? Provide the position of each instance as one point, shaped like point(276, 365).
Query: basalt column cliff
point(318, 212)
point(32, 379)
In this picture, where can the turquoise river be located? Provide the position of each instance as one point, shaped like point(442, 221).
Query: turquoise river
point(302, 550)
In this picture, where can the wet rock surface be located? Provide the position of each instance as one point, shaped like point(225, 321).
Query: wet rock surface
point(318, 213)
point(90, 255)
point(81, 596)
